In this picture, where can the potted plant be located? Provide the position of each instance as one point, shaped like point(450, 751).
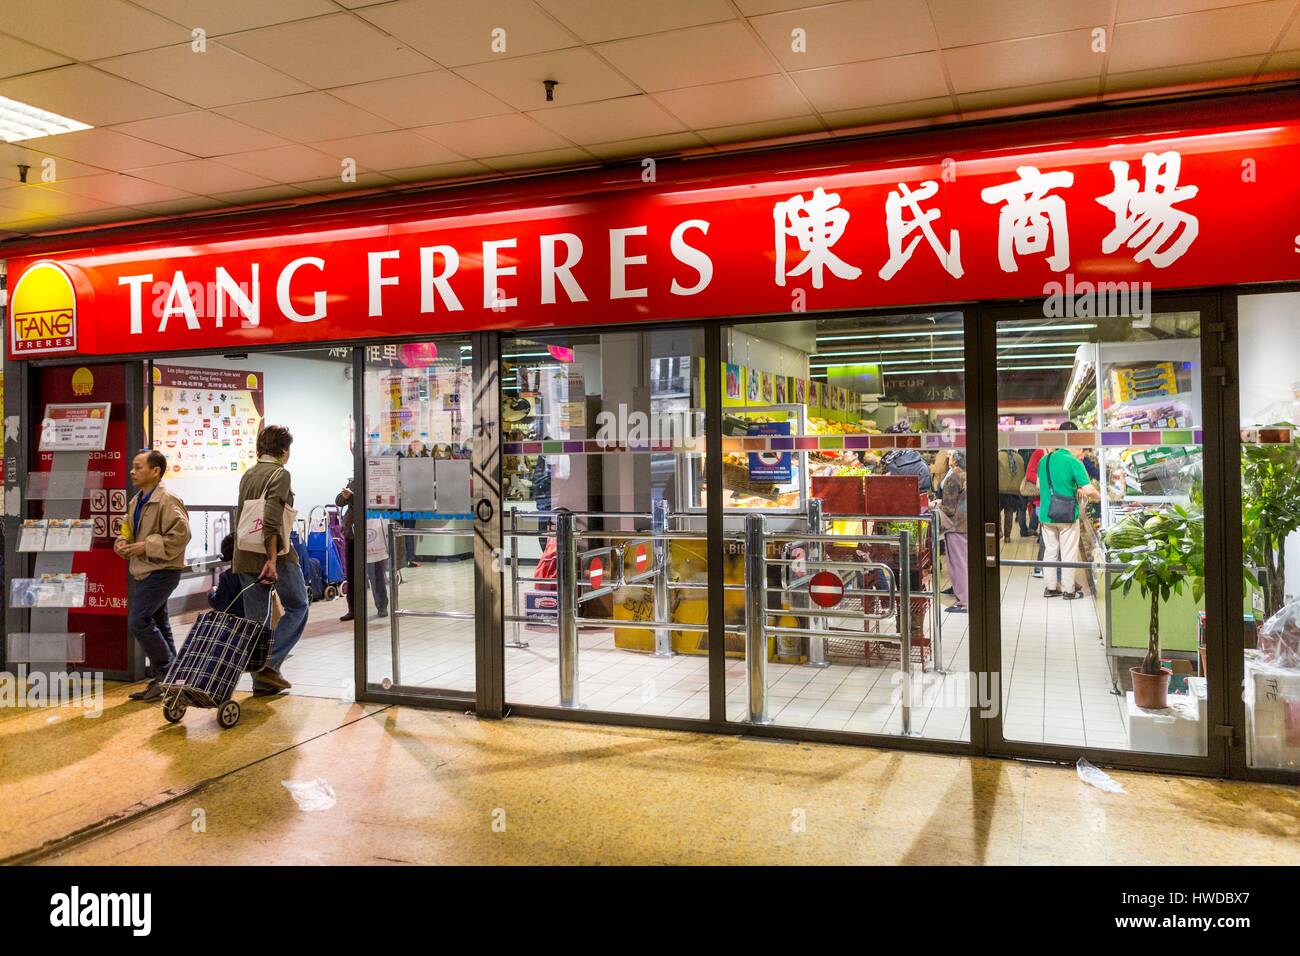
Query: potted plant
point(1270, 494)
point(1161, 551)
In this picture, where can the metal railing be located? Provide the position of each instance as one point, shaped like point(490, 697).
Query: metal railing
point(395, 610)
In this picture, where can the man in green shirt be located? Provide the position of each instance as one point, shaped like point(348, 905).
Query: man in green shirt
point(1062, 474)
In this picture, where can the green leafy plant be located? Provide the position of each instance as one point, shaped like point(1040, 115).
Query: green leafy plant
point(1270, 494)
point(1162, 551)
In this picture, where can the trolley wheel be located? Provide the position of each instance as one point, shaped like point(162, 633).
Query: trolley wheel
point(331, 592)
point(343, 588)
point(228, 714)
point(174, 711)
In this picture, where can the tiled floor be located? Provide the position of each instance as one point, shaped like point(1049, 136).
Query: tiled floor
point(1056, 684)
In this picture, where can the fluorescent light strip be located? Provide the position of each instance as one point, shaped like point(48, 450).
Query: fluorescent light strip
point(917, 333)
point(18, 121)
point(1039, 345)
point(886, 350)
point(1004, 327)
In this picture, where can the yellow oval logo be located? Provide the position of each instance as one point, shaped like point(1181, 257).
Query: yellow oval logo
point(83, 383)
point(43, 311)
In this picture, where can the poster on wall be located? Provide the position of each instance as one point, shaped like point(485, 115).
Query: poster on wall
point(82, 427)
point(205, 421)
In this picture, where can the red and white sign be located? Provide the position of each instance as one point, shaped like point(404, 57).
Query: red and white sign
point(81, 427)
point(826, 589)
point(596, 572)
point(642, 559)
point(1171, 197)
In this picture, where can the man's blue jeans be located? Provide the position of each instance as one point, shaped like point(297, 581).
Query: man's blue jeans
point(293, 595)
point(147, 618)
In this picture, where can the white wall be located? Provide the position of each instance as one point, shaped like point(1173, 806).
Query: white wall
point(314, 400)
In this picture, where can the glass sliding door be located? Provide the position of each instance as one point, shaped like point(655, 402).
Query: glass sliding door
point(1099, 541)
point(419, 580)
point(844, 502)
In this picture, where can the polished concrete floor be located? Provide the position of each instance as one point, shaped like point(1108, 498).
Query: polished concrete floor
point(421, 786)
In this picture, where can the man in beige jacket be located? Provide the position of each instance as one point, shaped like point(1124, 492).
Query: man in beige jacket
point(153, 540)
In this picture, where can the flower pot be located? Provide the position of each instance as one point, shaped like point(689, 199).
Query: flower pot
point(1151, 691)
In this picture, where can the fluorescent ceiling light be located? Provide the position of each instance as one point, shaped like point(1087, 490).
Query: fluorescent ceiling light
point(18, 121)
point(889, 350)
point(914, 334)
point(1004, 328)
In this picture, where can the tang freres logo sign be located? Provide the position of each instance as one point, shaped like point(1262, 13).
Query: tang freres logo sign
point(43, 311)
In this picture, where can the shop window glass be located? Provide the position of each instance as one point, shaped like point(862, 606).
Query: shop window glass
point(1100, 483)
point(1269, 355)
point(847, 435)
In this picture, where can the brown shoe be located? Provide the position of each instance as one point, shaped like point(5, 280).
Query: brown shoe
point(269, 675)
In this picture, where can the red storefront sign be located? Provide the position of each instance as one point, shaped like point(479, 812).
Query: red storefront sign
point(1025, 212)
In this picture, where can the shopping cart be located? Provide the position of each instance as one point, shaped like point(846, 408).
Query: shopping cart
point(219, 649)
point(325, 543)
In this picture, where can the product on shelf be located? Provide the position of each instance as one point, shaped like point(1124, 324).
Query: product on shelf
point(1147, 380)
point(1171, 414)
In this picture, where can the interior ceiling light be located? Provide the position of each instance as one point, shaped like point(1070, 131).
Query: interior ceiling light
point(18, 121)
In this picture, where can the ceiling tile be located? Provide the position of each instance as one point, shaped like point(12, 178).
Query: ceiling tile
point(552, 157)
point(307, 116)
point(1291, 39)
point(897, 79)
point(963, 23)
point(495, 136)
point(17, 57)
point(708, 54)
point(1284, 61)
point(68, 27)
point(267, 194)
point(582, 77)
point(1028, 62)
point(42, 163)
point(850, 122)
point(646, 146)
point(422, 100)
point(421, 174)
point(180, 207)
point(609, 120)
point(755, 8)
point(754, 100)
point(287, 164)
point(229, 16)
point(107, 148)
point(1184, 74)
point(330, 51)
point(46, 201)
point(216, 77)
point(1198, 37)
point(597, 20)
point(201, 176)
point(89, 96)
point(456, 33)
point(1148, 9)
point(1030, 93)
point(395, 150)
point(202, 134)
point(120, 190)
point(748, 133)
point(330, 187)
point(847, 32)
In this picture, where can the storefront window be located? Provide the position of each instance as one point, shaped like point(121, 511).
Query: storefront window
point(1102, 553)
point(607, 426)
point(419, 572)
point(844, 454)
point(1269, 350)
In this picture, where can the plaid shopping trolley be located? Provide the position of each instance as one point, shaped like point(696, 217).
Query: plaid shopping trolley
point(219, 649)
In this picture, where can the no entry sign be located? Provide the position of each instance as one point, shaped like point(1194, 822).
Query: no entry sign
point(596, 572)
point(642, 559)
point(826, 589)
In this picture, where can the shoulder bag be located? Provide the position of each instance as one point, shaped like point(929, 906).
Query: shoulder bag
point(252, 516)
point(1060, 508)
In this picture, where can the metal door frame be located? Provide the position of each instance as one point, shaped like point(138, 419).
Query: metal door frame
point(1213, 393)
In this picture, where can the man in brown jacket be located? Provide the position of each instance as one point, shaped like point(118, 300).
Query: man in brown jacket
point(260, 571)
point(153, 540)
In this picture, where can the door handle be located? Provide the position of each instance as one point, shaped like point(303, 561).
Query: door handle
point(990, 544)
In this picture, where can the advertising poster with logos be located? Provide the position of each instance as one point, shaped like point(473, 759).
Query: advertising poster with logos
point(82, 427)
point(103, 616)
point(422, 407)
point(206, 420)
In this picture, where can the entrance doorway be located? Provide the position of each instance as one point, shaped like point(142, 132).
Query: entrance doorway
point(1098, 517)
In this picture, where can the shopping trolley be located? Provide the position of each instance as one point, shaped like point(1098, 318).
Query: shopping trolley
point(219, 649)
point(325, 543)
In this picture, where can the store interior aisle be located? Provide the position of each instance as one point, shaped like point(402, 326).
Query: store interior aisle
point(424, 787)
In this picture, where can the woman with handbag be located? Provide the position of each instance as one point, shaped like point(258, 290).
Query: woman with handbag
point(952, 521)
point(264, 557)
point(1062, 481)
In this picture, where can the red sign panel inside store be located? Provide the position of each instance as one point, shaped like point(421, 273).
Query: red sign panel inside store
point(820, 229)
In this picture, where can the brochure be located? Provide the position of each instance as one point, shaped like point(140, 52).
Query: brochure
point(81, 536)
point(32, 536)
point(58, 538)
